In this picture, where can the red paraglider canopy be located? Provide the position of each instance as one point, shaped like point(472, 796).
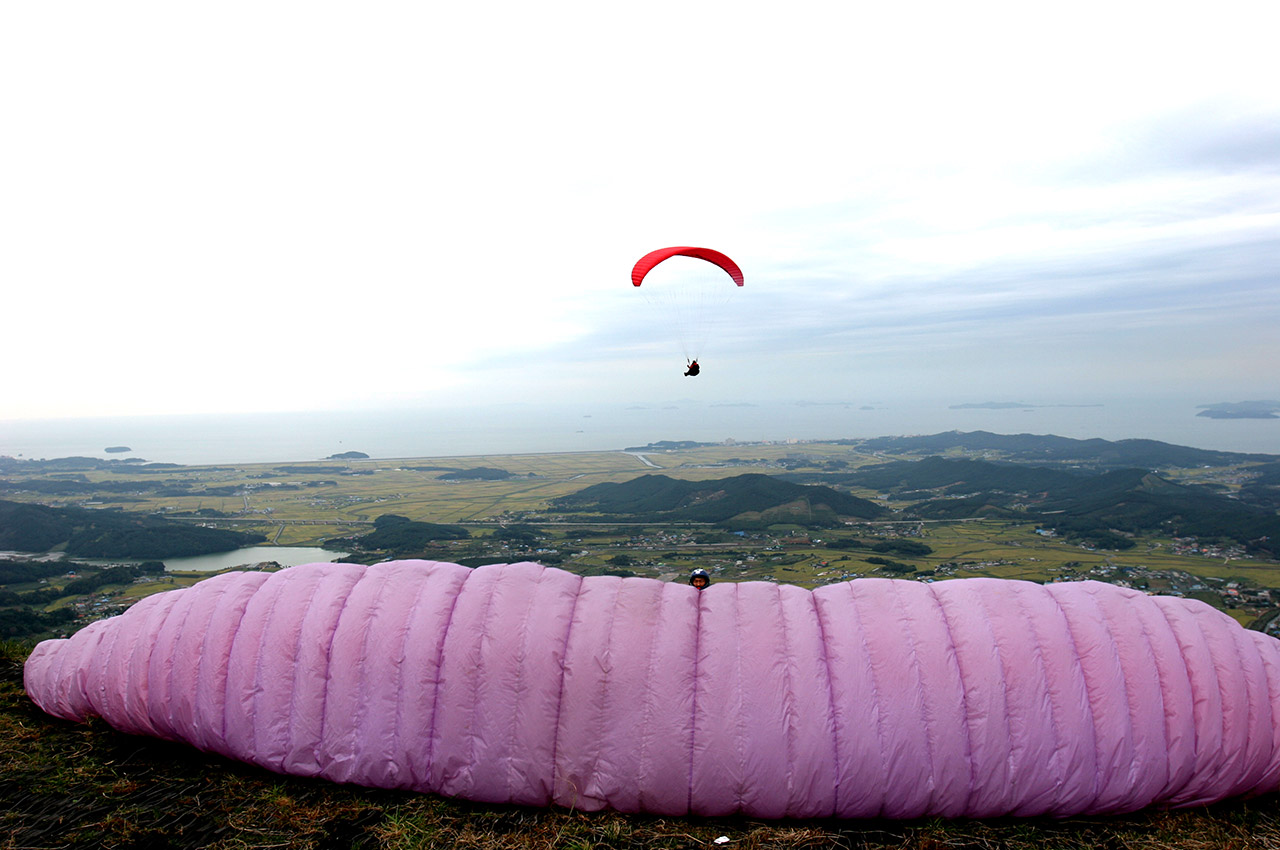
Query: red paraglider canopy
point(651, 259)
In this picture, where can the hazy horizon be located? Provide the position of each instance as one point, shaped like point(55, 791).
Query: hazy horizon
point(519, 428)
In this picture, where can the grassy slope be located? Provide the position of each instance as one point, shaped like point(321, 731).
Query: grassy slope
point(69, 785)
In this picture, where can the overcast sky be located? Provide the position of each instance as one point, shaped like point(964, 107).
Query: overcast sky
point(242, 206)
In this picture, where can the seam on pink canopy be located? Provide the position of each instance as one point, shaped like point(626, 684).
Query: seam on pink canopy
point(831, 703)
point(1171, 790)
point(876, 691)
point(435, 696)
point(1153, 657)
point(740, 727)
point(226, 681)
point(926, 710)
point(1098, 693)
point(1090, 702)
point(1042, 669)
point(564, 667)
point(328, 658)
point(397, 728)
point(789, 687)
point(693, 709)
point(297, 653)
point(651, 672)
point(964, 696)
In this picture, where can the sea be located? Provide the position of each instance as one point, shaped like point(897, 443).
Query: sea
point(483, 430)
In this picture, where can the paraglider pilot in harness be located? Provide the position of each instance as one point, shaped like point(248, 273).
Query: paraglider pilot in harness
point(700, 578)
point(693, 369)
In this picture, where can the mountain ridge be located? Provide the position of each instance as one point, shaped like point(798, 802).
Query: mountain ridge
point(1052, 448)
point(751, 496)
point(1102, 506)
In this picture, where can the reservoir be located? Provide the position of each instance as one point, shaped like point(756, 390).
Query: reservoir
point(285, 556)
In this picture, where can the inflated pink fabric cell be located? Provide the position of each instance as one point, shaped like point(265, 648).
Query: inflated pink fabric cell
point(523, 684)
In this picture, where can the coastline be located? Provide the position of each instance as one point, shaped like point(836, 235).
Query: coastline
point(525, 429)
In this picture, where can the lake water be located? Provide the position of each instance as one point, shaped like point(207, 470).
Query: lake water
point(285, 556)
point(516, 429)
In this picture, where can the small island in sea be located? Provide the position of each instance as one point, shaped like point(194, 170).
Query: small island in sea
point(117, 449)
point(1241, 410)
point(991, 405)
point(348, 456)
point(1012, 405)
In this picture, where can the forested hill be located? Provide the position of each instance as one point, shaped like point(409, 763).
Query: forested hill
point(1091, 506)
point(954, 475)
point(743, 499)
point(90, 533)
point(1103, 454)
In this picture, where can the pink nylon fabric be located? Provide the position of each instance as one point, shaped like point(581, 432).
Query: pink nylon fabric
point(525, 684)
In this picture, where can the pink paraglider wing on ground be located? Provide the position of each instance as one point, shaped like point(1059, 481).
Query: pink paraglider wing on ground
point(522, 684)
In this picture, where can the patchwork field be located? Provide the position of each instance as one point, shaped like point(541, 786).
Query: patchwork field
point(306, 504)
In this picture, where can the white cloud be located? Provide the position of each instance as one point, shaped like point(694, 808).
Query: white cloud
point(289, 206)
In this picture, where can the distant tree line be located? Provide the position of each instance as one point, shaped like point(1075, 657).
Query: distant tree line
point(89, 533)
point(518, 534)
point(910, 548)
point(23, 572)
point(479, 473)
point(401, 535)
point(26, 622)
point(20, 612)
point(889, 566)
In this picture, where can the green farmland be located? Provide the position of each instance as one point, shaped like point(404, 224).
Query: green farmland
point(306, 504)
